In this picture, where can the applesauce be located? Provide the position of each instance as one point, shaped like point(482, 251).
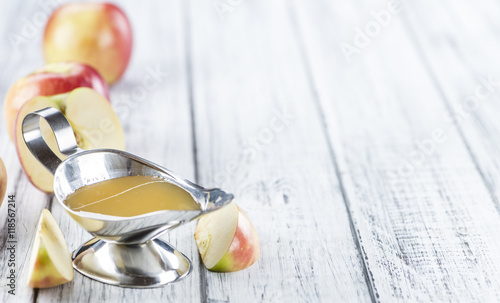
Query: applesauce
point(130, 196)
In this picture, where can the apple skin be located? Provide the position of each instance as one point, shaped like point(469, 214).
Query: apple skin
point(227, 240)
point(3, 181)
point(98, 34)
point(45, 275)
point(44, 272)
point(243, 251)
point(89, 114)
point(51, 79)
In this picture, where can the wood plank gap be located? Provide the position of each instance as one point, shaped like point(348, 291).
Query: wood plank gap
point(189, 79)
point(49, 204)
point(426, 63)
point(35, 295)
point(190, 93)
point(369, 279)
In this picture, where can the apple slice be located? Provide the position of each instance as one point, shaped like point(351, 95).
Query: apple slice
point(227, 240)
point(3, 181)
point(94, 123)
point(50, 264)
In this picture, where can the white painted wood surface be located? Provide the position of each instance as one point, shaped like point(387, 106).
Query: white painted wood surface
point(332, 159)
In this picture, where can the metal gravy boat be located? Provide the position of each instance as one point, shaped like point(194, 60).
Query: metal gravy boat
point(125, 251)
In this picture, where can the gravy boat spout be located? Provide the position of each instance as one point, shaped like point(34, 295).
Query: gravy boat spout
point(125, 250)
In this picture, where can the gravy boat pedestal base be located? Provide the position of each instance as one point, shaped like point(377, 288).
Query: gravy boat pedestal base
point(125, 251)
point(152, 264)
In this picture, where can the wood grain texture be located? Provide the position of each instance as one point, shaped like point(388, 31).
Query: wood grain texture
point(472, 95)
point(333, 160)
point(247, 74)
point(157, 124)
point(427, 231)
point(15, 62)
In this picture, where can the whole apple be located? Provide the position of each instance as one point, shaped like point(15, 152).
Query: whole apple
point(3, 181)
point(98, 34)
point(51, 79)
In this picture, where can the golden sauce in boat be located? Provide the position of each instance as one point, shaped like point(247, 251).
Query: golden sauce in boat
point(130, 196)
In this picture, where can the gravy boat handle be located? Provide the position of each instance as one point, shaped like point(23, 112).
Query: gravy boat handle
point(62, 130)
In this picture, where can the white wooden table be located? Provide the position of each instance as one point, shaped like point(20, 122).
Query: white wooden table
point(370, 165)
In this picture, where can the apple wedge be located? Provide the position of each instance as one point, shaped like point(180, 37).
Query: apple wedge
point(50, 264)
point(227, 240)
point(3, 181)
point(94, 123)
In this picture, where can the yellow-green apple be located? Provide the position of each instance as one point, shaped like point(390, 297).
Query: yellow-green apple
point(98, 34)
point(94, 123)
point(50, 264)
point(227, 240)
point(51, 79)
point(3, 181)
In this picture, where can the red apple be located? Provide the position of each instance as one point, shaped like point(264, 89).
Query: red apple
point(50, 264)
point(94, 123)
point(3, 181)
point(51, 79)
point(227, 240)
point(98, 34)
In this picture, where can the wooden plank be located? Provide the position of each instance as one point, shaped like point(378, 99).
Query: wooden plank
point(427, 233)
point(425, 219)
point(16, 61)
point(157, 125)
point(472, 95)
point(247, 76)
